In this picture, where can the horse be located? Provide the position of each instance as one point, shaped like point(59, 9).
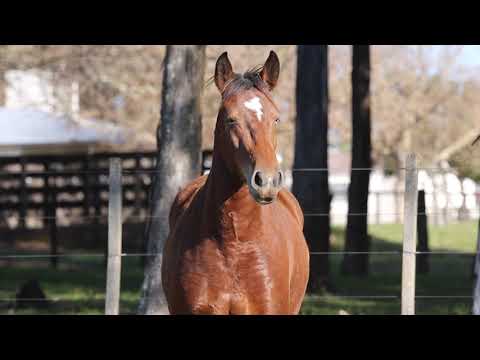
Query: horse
point(236, 243)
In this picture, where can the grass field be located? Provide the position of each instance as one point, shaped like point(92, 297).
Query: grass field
point(78, 287)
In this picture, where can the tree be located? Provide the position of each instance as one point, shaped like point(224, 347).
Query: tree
point(357, 239)
point(178, 161)
point(3, 84)
point(2, 87)
point(120, 83)
point(311, 151)
point(422, 98)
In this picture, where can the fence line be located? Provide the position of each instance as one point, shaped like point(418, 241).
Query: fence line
point(101, 255)
point(104, 171)
point(310, 299)
point(128, 216)
point(112, 297)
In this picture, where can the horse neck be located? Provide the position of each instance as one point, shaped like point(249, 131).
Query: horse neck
point(226, 196)
point(221, 184)
point(225, 192)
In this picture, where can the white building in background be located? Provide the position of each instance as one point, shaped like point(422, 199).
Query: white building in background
point(27, 132)
point(447, 197)
point(41, 115)
point(35, 89)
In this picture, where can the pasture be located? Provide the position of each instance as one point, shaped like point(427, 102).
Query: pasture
point(78, 286)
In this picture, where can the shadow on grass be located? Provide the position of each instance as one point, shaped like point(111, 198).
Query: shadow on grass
point(78, 286)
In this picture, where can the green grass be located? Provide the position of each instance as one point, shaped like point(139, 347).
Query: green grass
point(450, 275)
point(78, 286)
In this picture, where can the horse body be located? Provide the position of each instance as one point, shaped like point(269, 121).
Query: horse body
point(249, 259)
point(234, 247)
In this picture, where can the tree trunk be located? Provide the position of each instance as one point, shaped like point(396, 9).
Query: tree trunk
point(3, 86)
point(423, 260)
point(357, 239)
point(178, 161)
point(311, 151)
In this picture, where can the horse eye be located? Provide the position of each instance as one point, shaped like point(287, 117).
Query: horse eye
point(230, 121)
point(277, 121)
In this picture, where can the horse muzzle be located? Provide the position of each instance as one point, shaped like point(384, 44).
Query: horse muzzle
point(265, 185)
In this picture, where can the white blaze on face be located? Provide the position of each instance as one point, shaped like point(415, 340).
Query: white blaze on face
point(254, 104)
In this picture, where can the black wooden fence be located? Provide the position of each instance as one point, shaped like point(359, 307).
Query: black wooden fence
point(43, 192)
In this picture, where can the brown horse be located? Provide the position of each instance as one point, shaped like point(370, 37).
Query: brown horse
point(236, 244)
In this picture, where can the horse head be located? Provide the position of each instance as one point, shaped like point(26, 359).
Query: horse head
point(245, 134)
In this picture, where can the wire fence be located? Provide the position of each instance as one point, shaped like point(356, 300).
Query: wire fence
point(105, 171)
point(311, 299)
point(126, 172)
point(146, 217)
point(377, 216)
point(89, 255)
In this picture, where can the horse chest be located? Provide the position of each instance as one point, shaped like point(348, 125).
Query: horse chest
point(245, 264)
point(245, 280)
point(238, 271)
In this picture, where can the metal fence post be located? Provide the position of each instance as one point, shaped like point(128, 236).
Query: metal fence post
point(409, 236)
point(112, 298)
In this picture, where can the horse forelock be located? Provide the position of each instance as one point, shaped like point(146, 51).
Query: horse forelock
point(249, 80)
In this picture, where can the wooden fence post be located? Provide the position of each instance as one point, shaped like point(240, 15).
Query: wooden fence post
point(476, 291)
point(409, 236)
point(112, 298)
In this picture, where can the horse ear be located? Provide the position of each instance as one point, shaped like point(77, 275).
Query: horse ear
point(223, 71)
point(271, 70)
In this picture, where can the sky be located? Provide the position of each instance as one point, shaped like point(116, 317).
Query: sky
point(470, 55)
point(467, 63)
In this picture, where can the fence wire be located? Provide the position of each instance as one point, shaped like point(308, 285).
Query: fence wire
point(124, 255)
point(307, 299)
point(105, 171)
point(146, 217)
point(127, 172)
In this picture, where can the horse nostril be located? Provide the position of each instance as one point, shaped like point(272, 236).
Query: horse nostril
point(258, 179)
point(277, 180)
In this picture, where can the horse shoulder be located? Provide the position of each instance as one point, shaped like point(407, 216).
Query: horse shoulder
point(292, 205)
point(299, 272)
point(184, 198)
